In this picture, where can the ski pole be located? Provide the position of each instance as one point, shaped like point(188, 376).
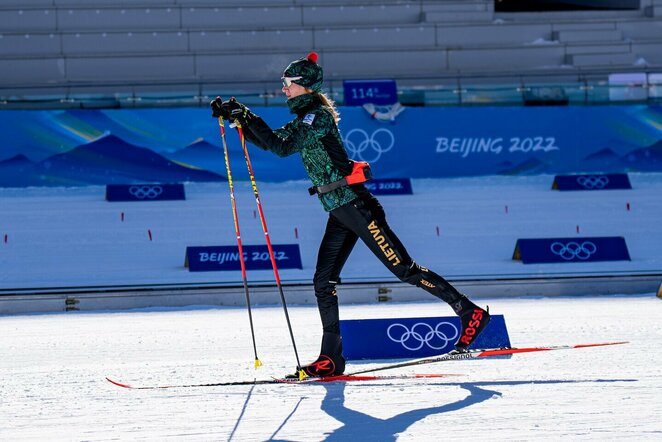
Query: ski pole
point(258, 363)
point(302, 374)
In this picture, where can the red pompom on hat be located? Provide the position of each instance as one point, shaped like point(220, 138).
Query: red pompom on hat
point(312, 57)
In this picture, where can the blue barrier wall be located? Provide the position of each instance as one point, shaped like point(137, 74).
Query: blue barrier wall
point(145, 192)
point(609, 181)
point(81, 147)
point(413, 337)
point(551, 250)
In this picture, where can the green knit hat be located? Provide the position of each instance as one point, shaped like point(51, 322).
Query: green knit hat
point(309, 71)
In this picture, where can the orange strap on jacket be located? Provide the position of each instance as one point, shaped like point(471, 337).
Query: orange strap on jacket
point(360, 174)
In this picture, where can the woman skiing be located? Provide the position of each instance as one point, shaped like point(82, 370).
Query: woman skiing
point(354, 213)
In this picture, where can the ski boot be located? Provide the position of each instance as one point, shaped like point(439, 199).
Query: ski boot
point(329, 363)
point(474, 320)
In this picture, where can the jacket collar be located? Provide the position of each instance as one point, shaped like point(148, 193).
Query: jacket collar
point(300, 105)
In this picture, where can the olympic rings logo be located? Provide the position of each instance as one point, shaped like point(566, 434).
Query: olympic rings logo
point(593, 181)
point(366, 147)
point(422, 334)
point(573, 249)
point(145, 192)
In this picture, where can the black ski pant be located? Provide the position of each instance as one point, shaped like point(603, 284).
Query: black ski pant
point(364, 218)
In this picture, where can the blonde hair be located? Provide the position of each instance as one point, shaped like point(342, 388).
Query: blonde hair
point(328, 103)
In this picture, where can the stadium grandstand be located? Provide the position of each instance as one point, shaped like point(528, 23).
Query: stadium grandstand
point(125, 53)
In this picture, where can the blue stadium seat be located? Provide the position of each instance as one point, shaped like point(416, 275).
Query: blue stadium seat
point(17, 71)
point(466, 36)
point(247, 18)
point(350, 15)
point(29, 44)
point(27, 20)
point(506, 59)
point(114, 19)
point(141, 68)
point(124, 42)
point(378, 37)
point(228, 41)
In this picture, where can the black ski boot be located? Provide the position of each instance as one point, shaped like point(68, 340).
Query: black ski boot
point(474, 320)
point(330, 361)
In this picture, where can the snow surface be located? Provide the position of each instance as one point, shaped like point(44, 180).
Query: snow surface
point(53, 366)
point(461, 228)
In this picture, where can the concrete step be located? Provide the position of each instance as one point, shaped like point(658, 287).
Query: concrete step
point(594, 60)
point(619, 48)
point(584, 26)
point(459, 6)
point(458, 17)
point(560, 16)
point(586, 36)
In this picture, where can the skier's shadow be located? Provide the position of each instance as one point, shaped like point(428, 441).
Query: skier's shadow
point(361, 426)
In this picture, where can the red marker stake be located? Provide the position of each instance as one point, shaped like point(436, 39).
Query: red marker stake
point(122, 216)
point(437, 230)
point(296, 233)
point(149, 233)
point(577, 228)
point(6, 238)
point(627, 206)
point(506, 209)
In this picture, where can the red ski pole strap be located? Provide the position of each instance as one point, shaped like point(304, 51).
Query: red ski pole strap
point(360, 174)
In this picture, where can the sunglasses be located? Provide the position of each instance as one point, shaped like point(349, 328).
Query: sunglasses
point(287, 81)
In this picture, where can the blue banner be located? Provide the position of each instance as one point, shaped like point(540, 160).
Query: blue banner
point(145, 192)
point(556, 250)
point(413, 337)
point(390, 186)
point(215, 258)
point(176, 145)
point(592, 182)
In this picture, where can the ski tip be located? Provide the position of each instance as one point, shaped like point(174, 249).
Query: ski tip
point(602, 344)
point(119, 384)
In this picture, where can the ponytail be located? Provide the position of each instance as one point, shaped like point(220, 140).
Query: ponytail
point(328, 104)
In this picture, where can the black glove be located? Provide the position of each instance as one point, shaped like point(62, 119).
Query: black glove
point(238, 112)
point(217, 110)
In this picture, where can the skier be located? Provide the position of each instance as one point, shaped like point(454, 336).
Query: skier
point(354, 213)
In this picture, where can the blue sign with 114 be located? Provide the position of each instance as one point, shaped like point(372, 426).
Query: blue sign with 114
point(360, 92)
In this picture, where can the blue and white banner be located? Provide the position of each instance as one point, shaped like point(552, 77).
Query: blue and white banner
point(556, 250)
point(413, 337)
point(174, 145)
point(256, 257)
point(592, 182)
point(145, 192)
point(390, 186)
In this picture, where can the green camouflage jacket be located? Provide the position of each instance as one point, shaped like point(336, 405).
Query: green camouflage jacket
point(314, 135)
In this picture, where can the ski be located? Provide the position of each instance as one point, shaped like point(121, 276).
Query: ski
point(339, 378)
point(352, 378)
point(363, 375)
point(477, 354)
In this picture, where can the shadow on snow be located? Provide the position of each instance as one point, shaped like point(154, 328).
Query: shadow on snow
point(360, 426)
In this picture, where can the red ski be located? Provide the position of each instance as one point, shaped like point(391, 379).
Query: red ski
point(478, 353)
point(362, 375)
point(341, 378)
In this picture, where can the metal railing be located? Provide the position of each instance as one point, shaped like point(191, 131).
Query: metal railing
point(464, 91)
